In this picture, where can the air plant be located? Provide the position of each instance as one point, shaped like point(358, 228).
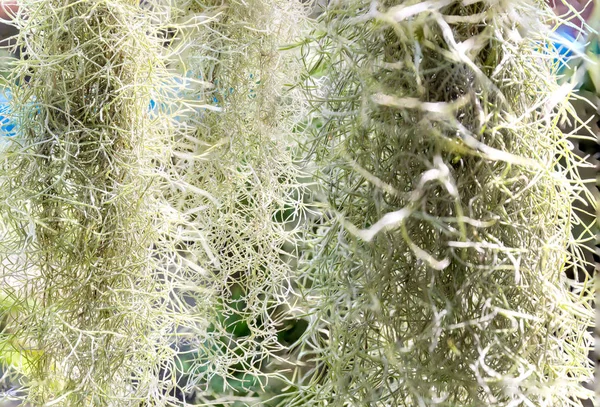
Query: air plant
point(239, 228)
point(81, 252)
point(436, 276)
point(157, 243)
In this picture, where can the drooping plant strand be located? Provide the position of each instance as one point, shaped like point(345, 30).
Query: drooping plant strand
point(239, 225)
point(81, 255)
point(436, 274)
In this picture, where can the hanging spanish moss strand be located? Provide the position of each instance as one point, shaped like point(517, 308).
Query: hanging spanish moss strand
point(240, 224)
point(81, 255)
point(436, 275)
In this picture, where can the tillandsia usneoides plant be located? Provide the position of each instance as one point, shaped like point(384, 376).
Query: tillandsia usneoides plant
point(240, 224)
point(82, 259)
point(436, 276)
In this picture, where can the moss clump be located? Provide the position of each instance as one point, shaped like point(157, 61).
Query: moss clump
point(239, 224)
point(80, 227)
point(147, 252)
point(436, 276)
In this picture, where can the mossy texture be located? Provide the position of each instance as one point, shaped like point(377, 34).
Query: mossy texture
point(80, 221)
point(238, 151)
point(436, 276)
point(160, 242)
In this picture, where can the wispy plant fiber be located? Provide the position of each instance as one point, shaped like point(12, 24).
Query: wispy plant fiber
point(436, 277)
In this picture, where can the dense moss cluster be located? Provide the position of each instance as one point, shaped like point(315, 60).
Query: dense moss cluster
point(436, 276)
point(79, 220)
point(194, 210)
point(237, 149)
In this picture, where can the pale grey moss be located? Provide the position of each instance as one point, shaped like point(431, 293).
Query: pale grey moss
point(237, 151)
point(80, 243)
point(436, 275)
point(144, 256)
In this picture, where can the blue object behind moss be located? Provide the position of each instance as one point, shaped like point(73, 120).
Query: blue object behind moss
point(7, 127)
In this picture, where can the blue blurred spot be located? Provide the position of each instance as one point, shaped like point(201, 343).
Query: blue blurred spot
point(567, 46)
point(7, 127)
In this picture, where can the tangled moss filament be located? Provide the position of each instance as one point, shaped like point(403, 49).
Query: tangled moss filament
point(438, 279)
point(79, 219)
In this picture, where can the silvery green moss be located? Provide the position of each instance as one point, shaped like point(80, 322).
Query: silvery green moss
point(80, 247)
point(161, 240)
point(435, 277)
point(238, 150)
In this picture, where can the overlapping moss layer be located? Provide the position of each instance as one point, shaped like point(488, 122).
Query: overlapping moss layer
point(241, 224)
point(151, 219)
